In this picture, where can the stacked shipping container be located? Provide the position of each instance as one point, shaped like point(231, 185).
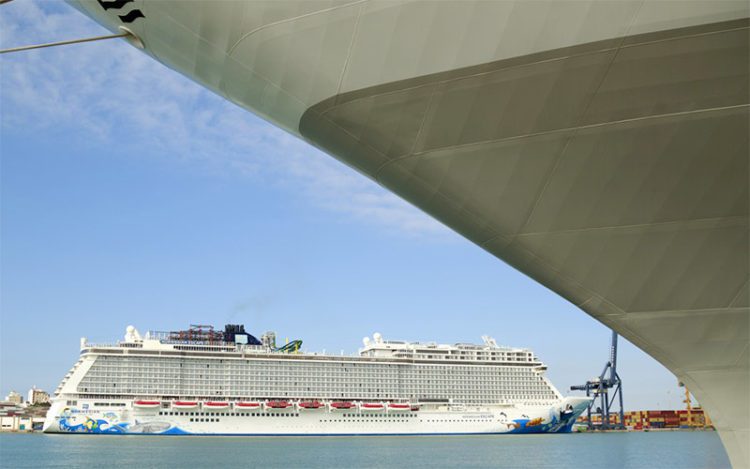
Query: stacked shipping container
point(647, 419)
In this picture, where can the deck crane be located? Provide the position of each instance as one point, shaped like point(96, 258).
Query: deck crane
point(600, 387)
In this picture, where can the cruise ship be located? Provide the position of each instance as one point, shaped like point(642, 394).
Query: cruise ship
point(202, 381)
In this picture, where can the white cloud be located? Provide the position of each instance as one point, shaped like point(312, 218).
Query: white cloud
point(116, 94)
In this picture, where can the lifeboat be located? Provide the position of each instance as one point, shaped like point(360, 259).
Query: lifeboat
point(278, 405)
point(246, 405)
point(216, 405)
point(342, 405)
point(310, 405)
point(184, 404)
point(140, 404)
point(372, 406)
point(397, 406)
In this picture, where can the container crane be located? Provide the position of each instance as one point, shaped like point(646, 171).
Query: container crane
point(600, 388)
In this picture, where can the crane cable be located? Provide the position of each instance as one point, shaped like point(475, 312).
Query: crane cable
point(62, 43)
point(124, 33)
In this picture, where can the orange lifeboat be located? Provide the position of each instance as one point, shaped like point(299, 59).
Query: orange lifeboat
point(247, 405)
point(372, 406)
point(216, 405)
point(342, 405)
point(278, 405)
point(184, 404)
point(397, 406)
point(310, 405)
point(141, 404)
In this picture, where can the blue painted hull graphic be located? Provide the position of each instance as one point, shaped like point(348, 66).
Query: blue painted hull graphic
point(177, 432)
point(102, 427)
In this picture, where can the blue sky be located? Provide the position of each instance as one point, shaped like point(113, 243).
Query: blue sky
point(131, 195)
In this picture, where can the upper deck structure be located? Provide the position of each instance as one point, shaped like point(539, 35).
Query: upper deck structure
point(208, 365)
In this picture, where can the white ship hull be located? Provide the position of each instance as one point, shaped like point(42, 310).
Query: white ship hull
point(83, 418)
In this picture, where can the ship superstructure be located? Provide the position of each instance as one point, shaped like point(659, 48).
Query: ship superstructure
point(202, 381)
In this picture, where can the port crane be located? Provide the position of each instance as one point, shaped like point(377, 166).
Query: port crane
point(605, 389)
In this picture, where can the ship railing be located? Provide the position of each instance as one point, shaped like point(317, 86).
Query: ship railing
point(197, 342)
point(113, 345)
point(130, 344)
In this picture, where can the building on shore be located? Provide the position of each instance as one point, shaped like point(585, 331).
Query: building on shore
point(14, 397)
point(37, 396)
point(18, 417)
point(21, 423)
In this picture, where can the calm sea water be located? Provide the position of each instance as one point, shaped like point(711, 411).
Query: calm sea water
point(627, 450)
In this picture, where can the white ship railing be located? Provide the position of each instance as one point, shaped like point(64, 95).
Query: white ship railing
point(109, 345)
